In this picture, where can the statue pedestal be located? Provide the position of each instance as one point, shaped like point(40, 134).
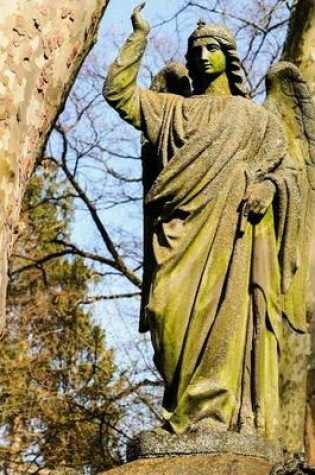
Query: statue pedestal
point(151, 444)
point(200, 452)
point(195, 465)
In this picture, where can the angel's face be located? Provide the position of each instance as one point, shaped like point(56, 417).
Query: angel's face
point(209, 58)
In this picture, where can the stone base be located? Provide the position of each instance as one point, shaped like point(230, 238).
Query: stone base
point(195, 465)
point(150, 444)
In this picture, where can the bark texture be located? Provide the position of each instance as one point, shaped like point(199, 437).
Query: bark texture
point(300, 49)
point(42, 46)
point(300, 43)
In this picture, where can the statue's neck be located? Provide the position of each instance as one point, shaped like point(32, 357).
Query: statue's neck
point(217, 87)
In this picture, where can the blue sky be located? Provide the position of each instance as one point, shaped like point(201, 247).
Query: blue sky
point(119, 11)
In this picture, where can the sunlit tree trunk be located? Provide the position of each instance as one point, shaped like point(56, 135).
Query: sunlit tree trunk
point(300, 49)
point(300, 43)
point(42, 45)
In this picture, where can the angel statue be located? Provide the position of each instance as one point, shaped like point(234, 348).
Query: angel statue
point(227, 186)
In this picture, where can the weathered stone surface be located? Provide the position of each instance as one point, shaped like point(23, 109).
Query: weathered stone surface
point(61, 471)
point(150, 444)
point(197, 465)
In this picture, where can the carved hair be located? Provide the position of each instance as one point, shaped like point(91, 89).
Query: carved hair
point(227, 43)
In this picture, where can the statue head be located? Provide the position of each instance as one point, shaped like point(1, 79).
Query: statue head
point(219, 37)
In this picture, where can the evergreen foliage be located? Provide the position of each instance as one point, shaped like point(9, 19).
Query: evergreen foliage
point(57, 381)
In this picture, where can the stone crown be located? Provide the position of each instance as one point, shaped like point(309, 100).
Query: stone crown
point(205, 30)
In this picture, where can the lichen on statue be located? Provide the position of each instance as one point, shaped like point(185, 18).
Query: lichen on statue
point(213, 287)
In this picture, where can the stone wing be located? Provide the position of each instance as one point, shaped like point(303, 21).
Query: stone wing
point(172, 78)
point(289, 98)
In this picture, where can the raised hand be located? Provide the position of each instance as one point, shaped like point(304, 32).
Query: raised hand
point(138, 22)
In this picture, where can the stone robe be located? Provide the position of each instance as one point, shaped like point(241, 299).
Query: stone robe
point(213, 296)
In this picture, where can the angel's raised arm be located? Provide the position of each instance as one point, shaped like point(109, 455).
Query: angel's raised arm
point(120, 88)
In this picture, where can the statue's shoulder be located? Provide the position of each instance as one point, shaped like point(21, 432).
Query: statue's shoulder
point(249, 104)
point(253, 108)
point(246, 105)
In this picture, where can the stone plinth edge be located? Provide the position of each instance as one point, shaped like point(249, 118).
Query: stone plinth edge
point(195, 465)
point(150, 444)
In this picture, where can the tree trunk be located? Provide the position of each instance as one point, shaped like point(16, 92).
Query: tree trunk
point(42, 46)
point(300, 49)
point(299, 46)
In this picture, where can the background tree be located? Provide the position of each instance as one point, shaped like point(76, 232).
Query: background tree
point(43, 44)
point(59, 394)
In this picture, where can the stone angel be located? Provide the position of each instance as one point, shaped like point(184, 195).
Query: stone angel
point(227, 225)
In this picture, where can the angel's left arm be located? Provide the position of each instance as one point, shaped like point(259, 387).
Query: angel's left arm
point(275, 170)
point(282, 169)
point(288, 205)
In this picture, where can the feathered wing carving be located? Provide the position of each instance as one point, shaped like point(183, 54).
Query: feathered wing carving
point(172, 78)
point(288, 97)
